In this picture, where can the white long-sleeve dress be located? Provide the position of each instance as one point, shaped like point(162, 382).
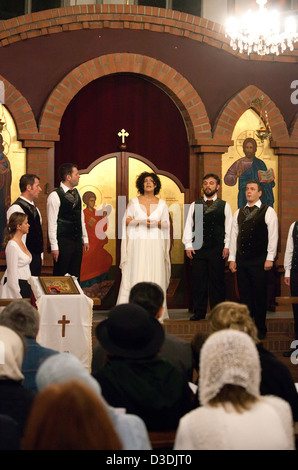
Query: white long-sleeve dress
point(268, 425)
point(17, 267)
point(145, 253)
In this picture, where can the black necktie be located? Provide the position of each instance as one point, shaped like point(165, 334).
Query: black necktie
point(34, 211)
point(251, 208)
point(209, 202)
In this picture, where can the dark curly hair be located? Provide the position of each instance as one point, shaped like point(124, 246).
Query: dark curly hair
point(141, 178)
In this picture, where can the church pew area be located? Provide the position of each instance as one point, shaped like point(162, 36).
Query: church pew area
point(279, 337)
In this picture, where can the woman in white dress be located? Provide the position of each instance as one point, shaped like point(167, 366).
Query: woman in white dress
point(145, 247)
point(14, 283)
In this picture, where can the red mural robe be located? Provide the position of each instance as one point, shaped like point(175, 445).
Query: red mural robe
point(97, 260)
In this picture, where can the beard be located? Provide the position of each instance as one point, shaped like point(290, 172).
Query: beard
point(210, 193)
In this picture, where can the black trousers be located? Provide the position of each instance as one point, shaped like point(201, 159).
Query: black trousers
point(294, 293)
point(252, 286)
point(25, 288)
point(208, 270)
point(70, 258)
point(35, 265)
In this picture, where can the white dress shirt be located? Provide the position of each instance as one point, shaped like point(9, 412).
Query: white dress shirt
point(188, 229)
point(53, 206)
point(289, 252)
point(271, 221)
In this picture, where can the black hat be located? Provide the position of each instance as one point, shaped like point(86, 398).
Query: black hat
point(130, 332)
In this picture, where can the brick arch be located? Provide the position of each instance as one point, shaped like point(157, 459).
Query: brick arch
point(173, 83)
point(234, 108)
point(135, 17)
point(20, 110)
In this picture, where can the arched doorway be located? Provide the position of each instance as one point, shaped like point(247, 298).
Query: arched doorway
point(157, 141)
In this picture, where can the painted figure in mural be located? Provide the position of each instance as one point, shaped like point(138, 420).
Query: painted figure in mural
point(251, 168)
point(5, 183)
point(145, 246)
point(97, 261)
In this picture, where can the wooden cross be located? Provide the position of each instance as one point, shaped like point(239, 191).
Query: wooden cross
point(123, 133)
point(63, 322)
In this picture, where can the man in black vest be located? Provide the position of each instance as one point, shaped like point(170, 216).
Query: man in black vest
point(208, 261)
point(30, 190)
point(66, 224)
point(253, 247)
point(291, 273)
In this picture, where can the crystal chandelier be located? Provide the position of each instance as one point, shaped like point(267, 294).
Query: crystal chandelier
point(259, 32)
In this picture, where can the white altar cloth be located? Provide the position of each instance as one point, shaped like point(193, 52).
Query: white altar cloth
point(65, 322)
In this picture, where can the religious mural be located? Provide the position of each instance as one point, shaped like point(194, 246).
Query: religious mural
point(98, 191)
point(249, 159)
point(12, 165)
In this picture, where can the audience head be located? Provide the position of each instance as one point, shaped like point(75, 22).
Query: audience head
point(148, 295)
point(69, 416)
point(130, 332)
point(15, 220)
point(196, 345)
point(11, 355)
point(234, 316)
point(21, 317)
point(64, 367)
point(230, 370)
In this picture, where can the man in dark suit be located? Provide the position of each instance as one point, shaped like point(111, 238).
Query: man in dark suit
point(30, 190)
point(208, 260)
point(66, 224)
point(253, 247)
point(291, 274)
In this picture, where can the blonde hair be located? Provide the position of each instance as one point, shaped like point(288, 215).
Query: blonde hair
point(17, 218)
point(234, 316)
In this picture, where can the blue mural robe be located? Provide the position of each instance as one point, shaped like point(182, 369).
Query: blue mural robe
point(252, 174)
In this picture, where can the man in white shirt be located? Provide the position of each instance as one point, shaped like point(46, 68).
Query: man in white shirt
point(30, 190)
point(291, 273)
point(66, 224)
point(253, 247)
point(208, 260)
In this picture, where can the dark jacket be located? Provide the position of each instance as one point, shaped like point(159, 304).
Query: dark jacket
point(152, 389)
point(15, 401)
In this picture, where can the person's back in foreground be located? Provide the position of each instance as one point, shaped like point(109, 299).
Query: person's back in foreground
point(233, 415)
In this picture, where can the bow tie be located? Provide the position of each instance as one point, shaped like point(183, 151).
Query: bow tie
point(209, 202)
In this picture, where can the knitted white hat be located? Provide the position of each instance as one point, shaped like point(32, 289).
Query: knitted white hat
point(228, 357)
